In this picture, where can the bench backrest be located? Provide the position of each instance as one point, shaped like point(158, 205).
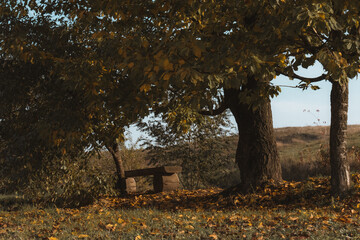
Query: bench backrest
point(165, 170)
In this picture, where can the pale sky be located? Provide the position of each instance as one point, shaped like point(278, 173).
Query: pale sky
point(288, 108)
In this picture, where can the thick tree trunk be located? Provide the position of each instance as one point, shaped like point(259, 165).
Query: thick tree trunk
point(257, 156)
point(340, 169)
point(120, 171)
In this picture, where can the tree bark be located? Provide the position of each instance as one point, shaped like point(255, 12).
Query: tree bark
point(120, 171)
point(256, 156)
point(340, 169)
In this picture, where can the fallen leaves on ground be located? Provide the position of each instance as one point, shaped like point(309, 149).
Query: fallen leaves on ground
point(290, 210)
point(312, 194)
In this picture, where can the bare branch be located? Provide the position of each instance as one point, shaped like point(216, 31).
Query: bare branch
point(215, 112)
point(223, 106)
point(287, 86)
point(305, 79)
point(310, 80)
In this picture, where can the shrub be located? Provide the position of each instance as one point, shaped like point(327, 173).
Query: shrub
point(67, 182)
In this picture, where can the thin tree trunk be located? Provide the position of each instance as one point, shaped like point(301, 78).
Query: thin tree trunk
point(120, 171)
point(340, 169)
point(256, 156)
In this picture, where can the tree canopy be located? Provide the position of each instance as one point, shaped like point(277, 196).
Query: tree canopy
point(113, 62)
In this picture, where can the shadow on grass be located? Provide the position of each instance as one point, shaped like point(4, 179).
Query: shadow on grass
point(311, 194)
point(12, 202)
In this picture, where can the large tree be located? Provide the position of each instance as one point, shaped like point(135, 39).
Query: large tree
point(186, 53)
point(208, 56)
point(212, 56)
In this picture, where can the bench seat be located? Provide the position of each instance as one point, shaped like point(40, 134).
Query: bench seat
point(165, 178)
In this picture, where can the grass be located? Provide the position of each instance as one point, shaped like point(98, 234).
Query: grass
point(292, 140)
point(304, 151)
point(292, 210)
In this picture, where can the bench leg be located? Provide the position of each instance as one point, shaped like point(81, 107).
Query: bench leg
point(163, 183)
point(130, 185)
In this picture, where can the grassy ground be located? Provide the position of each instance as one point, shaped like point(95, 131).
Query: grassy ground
point(293, 210)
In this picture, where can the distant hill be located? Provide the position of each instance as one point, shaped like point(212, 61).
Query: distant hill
point(291, 135)
point(304, 150)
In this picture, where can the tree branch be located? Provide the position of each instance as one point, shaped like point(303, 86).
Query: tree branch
point(215, 112)
point(305, 79)
point(310, 80)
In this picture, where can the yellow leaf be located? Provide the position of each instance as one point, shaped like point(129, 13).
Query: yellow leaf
point(145, 88)
point(181, 62)
point(130, 65)
point(344, 219)
point(145, 43)
point(322, 16)
point(138, 237)
point(111, 227)
point(168, 66)
point(282, 58)
point(158, 55)
point(52, 238)
point(150, 74)
point(197, 51)
point(167, 76)
point(156, 69)
point(120, 220)
point(183, 75)
point(213, 236)
point(83, 236)
point(189, 227)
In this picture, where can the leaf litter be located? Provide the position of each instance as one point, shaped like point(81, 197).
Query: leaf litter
point(290, 210)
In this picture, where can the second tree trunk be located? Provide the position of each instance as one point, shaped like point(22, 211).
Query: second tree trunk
point(340, 169)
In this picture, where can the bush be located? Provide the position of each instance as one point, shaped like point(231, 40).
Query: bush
point(67, 182)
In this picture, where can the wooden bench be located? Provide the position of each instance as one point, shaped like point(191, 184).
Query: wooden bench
point(165, 178)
